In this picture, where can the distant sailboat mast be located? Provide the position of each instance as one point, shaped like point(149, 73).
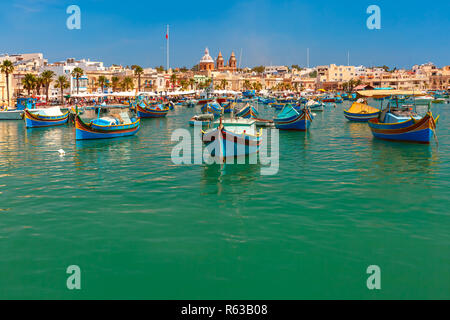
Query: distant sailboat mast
point(307, 57)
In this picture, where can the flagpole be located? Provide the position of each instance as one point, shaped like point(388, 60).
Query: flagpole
point(167, 38)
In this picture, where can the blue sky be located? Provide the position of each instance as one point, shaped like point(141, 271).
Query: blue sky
point(267, 32)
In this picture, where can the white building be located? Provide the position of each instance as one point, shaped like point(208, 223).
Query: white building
point(66, 68)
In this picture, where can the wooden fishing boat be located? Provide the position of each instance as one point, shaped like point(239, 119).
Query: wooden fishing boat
point(277, 106)
point(17, 112)
point(249, 112)
point(400, 123)
point(222, 99)
point(228, 107)
point(212, 107)
point(203, 119)
point(414, 130)
point(361, 112)
point(314, 106)
point(151, 111)
point(232, 138)
point(10, 114)
point(106, 127)
point(291, 119)
point(204, 101)
point(45, 118)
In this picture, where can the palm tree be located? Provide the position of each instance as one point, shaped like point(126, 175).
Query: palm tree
point(138, 71)
point(184, 84)
point(173, 79)
point(47, 78)
point(247, 84)
point(127, 83)
point(102, 82)
point(62, 83)
point(77, 73)
point(115, 82)
point(223, 84)
point(7, 68)
point(29, 82)
point(192, 83)
point(38, 85)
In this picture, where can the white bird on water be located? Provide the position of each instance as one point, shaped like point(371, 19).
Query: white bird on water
point(62, 153)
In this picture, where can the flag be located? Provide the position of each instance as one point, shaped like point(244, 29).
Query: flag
point(167, 36)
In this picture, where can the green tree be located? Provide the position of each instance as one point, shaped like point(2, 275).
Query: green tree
point(259, 69)
point(115, 82)
point(62, 83)
point(192, 83)
point(247, 85)
point(7, 67)
point(160, 69)
point(29, 82)
point(102, 82)
point(313, 74)
point(47, 78)
point(127, 83)
point(173, 80)
point(77, 73)
point(138, 72)
point(223, 84)
point(39, 84)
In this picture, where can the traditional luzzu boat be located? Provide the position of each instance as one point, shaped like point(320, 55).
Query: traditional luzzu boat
point(419, 130)
point(228, 107)
point(45, 117)
point(212, 107)
point(249, 112)
point(277, 106)
point(400, 123)
point(203, 119)
point(291, 119)
point(314, 106)
point(232, 138)
point(152, 110)
point(113, 126)
point(204, 101)
point(361, 112)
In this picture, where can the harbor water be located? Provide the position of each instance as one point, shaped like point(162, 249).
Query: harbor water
point(139, 226)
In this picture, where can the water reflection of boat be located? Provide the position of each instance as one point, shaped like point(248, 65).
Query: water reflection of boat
point(230, 178)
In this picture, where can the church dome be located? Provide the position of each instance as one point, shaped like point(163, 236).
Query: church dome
point(207, 58)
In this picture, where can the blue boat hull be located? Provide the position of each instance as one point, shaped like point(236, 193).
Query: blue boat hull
point(84, 131)
point(360, 117)
point(420, 131)
point(300, 122)
point(36, 121)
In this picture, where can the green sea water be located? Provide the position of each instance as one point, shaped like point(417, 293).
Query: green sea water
point(141, 227)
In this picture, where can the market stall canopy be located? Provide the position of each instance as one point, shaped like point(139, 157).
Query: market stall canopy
point(225, 92)
point(387, 93)
point(123, 94)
